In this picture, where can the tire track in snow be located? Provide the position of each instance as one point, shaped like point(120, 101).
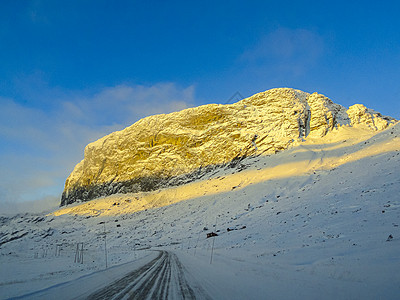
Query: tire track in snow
point(161, 278)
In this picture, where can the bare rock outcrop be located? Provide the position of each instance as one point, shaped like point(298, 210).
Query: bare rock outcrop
point(170, 149)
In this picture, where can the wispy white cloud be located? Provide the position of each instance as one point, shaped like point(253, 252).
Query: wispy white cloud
point(39, 145)
point(127, 103)
point(291, 51)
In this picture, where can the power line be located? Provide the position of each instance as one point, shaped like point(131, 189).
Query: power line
point(237, 96)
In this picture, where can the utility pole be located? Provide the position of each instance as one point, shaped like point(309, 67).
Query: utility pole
point(212, 247)
point(212, 250)
point(79, 253)
point(58, 249)
point(195, 247)
point(105, 242)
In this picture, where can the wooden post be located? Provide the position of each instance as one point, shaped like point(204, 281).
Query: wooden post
point(212, 250)
point(212, 247)
point(195, 247)
point(81, 253)
point(105, 244)
point(76, 253)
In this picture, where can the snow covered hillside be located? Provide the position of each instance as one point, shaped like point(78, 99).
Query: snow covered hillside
point(319, 220)
point(172, 149)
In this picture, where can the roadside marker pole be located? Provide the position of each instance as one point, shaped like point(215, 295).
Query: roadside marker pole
point(212, 250)
point(105, 243)
point(212, 247)
point(79, 253)
point(76, 253)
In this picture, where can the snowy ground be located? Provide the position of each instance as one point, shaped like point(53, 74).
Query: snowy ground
point(320, 220)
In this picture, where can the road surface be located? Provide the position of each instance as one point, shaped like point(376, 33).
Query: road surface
point(161, 278)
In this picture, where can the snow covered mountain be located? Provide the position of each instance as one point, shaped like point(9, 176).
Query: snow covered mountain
point(301, 193)
point(320, 217)
point(168, 150)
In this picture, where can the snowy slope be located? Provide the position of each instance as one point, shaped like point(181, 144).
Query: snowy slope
point(172, 149)
point(310, 222)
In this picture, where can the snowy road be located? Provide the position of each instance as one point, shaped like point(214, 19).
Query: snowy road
point(161, 278)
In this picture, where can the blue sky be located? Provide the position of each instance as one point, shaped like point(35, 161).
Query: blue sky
point(73, 71)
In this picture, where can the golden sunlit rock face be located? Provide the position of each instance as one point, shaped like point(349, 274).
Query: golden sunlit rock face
point(175, 148)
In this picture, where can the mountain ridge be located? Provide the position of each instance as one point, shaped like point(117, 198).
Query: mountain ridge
point(171, 149)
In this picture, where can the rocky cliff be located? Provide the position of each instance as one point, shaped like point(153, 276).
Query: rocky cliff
point(170, 149)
